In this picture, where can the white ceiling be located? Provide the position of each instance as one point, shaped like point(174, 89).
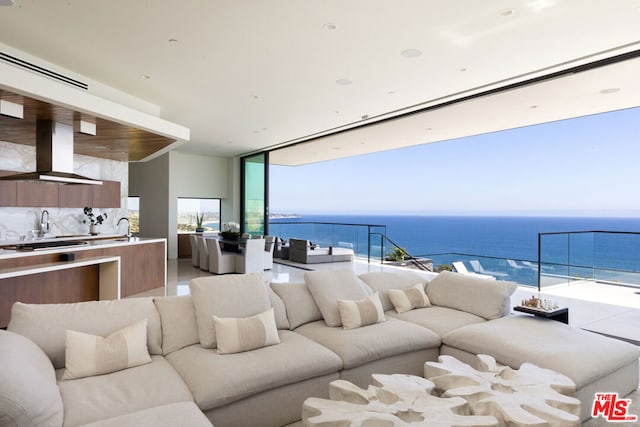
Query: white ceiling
point(248, 75)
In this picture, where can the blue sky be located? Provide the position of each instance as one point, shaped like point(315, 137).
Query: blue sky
point(587, 166)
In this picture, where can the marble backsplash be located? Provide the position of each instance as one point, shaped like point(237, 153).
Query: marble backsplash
point(16, 222)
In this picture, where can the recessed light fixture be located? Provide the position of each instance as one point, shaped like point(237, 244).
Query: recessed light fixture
point(344, 82)
point(429, 129)
point(329, 26)
point(173, 40)
point(411, 53)
point(229, 142)
point(145, 76)
point(364, 117)
point(255, 97)
point(610, 90)
point(505, 12)
point(533, 106)
point(462, 70)
point(335, 148)
point(391, 92)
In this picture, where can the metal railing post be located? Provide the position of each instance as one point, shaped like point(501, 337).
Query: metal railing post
point(539, 263)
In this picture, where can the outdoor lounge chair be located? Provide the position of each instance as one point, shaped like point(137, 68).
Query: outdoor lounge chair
point(477, 268)
point(459, 267)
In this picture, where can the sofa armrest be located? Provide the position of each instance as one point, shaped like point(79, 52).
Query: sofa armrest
point(29, 394)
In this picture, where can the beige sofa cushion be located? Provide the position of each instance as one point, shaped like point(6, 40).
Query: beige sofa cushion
point(235, 335)
point(279, 310)
point(92, 317)
point(440, 320)
point(356, 314)
point(217, 379)
point(485, 298)
point(328, 286)
point(409, 298)
point(369, 343)
point(29, 395)
point(174, 414)
point(101, 397)
point(233, 295)
point(179, 324)
point(88, 354)
point(382, 281)
point(299, 303)
point(582, 356)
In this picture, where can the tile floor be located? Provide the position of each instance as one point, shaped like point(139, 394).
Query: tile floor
point(607, 309)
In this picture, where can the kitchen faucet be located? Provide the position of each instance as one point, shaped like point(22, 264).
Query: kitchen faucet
point(44, 225)
point(128, 226)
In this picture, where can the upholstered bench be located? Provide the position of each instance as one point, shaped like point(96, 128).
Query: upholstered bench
point(594, 362)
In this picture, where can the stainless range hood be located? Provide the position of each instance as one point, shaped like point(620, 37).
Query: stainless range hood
point(54, 156)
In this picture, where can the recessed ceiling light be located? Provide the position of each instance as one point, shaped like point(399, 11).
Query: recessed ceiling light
point(364, 117)
point(344, 82)
point(229, 142)
point(411, 53)
point(429, 129)
point(610, 90)
point(505, 12)
point(173, 40)
point(335, 148)
point(391, 92)
point(462, 70)
point(533, 106)
point(255, 97)
point(329, 26)
point(145, 76)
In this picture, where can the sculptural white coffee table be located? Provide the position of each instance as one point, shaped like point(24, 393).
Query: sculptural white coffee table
point(456, 395)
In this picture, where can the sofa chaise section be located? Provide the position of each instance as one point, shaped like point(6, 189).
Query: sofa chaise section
point(594, 362)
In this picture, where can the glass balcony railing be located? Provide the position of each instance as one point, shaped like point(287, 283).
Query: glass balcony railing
point(600, 256)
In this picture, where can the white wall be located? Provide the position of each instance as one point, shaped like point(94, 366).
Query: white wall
point(162, 180)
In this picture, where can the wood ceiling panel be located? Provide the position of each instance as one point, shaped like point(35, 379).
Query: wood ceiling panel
point(112, 141)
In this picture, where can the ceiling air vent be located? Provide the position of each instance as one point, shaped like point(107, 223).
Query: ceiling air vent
point(40, 70)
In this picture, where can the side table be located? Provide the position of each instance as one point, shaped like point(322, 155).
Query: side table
point(560, 315)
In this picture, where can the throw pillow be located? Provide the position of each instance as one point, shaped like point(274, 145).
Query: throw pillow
point(87, 355)
point(235, 335)
point(300, 306)
point(355, 314)
point(408, 299)
point(328, 286)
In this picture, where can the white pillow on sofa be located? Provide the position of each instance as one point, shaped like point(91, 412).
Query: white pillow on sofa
point(327, 287)
point(488, 299)
point(88, 355)
point(355, 314)
point(407, 299)
point(235, 335)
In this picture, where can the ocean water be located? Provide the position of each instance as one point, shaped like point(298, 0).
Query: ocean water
point(502, 237)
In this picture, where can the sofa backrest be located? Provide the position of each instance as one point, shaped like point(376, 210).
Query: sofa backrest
point(45, 324)
point(488, 299)
point(382, 281)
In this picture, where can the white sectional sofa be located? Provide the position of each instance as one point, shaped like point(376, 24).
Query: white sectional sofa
point(198, 375)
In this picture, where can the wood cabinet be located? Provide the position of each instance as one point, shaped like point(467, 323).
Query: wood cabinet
point(36, 194)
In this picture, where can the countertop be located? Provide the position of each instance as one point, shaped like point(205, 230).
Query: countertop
point(93, 242)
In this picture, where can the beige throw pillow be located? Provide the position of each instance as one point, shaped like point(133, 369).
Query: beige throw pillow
point(87, 355)
point(236, 335)
point(409, 298)
point(355, 314)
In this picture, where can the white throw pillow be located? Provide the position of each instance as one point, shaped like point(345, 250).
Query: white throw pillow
point(235, 335)
point(87, 355)
point(355, 314)
point(409, 298)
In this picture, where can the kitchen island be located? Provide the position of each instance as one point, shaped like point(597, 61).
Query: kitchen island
point(83, 268)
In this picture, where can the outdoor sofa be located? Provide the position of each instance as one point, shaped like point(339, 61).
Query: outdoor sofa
point(304, 252)
point(195, 375)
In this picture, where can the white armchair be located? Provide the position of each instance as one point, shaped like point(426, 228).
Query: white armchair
point(203, 252)
point(252, 259)
point(195, 257)
point(269, 245)
point(220, 262)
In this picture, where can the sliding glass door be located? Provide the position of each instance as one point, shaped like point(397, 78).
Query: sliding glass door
point(254, 215)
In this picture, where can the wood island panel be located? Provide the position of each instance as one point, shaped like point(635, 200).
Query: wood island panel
point(73, 285)
point(142, 268)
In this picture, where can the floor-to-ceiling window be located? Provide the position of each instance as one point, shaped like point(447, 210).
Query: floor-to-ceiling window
point(254, 198)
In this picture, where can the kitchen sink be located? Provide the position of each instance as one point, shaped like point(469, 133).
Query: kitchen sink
point(33, 246)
